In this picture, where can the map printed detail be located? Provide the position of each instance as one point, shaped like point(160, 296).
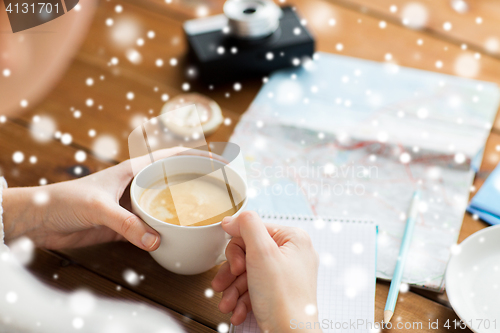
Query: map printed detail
point(346, 137)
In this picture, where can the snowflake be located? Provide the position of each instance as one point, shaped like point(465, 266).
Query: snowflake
point(459, 158)
point(133, 56)
point(66, 139)
point(405, 158)
point(22, 249)
point(82, 302)
point(209, 293)
point(78, 323)
point(357, 248)
point(310, 309)
point(11, 297)
point(223, 328)
point(415, 15)
point(131, 277)
point(105, 146)
point(18, 157)
point(41, 198)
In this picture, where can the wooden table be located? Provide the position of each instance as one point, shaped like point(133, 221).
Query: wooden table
point(357, 26)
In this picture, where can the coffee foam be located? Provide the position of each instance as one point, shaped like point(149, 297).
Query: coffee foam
point(189, 200)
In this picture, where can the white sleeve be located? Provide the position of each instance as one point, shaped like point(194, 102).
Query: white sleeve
point(29, 306)
point(3, 184)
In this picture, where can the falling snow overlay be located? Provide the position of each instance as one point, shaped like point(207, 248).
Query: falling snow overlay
point(397, 135)
point(346, 274)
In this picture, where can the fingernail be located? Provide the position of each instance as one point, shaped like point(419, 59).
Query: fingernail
point(227, 219)
point(149, 240)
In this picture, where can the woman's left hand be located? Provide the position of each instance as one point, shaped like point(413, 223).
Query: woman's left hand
point(77, 213)
point(84, 211)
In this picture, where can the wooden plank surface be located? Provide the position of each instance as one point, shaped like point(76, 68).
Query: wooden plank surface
point(185, 295)
point(473, 22)
point(118, 115)
point(55, 162)
point(413, 309)
point(365, 40)
point(63, 274)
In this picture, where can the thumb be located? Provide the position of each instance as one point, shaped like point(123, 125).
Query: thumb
point(131, 227)
point(250, 227)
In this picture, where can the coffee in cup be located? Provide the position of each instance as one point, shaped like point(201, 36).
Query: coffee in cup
point(187, 248)
point(203, 199)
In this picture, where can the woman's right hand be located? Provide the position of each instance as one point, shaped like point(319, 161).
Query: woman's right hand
point(270, 269)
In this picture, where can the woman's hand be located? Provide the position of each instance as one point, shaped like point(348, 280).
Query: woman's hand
point(84, 211)
point(271, 270)
point(77, 213)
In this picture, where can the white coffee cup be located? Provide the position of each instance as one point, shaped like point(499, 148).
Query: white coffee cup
point(186, 250)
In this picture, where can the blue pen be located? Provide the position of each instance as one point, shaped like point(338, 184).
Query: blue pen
point(403, 253)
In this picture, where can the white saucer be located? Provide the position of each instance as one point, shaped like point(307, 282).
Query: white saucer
point(473, 281)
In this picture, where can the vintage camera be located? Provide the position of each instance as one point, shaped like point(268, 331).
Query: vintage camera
point(251, 38)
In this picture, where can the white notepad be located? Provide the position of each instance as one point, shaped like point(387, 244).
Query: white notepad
point(346, 276)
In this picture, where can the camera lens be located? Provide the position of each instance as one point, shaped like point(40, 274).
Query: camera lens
point(249, 10)
point(252, 19)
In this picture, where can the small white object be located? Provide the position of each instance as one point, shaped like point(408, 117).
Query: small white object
point(209, 293)
point(80, 156)
point(66, 139)
point(209, 114)
point(463, 281)
point(223, 328)
point(18, 157)
point(131, 277)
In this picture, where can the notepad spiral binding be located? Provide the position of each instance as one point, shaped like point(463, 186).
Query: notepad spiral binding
point(276, 216)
